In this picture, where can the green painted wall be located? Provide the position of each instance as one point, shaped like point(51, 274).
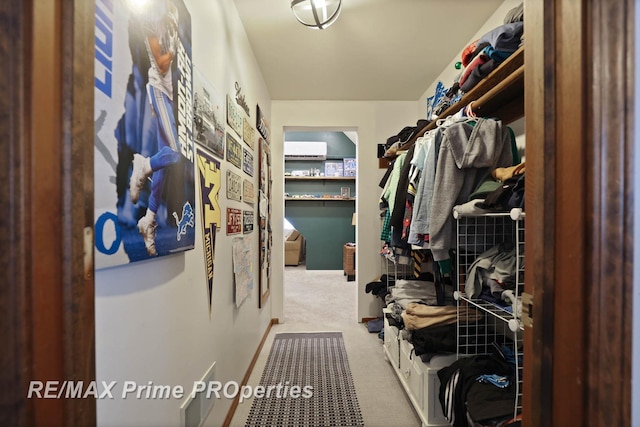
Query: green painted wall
point(325, 225)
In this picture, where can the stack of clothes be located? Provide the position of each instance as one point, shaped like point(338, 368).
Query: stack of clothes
point(480, 391)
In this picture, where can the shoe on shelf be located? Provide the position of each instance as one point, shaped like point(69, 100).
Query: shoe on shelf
point(139, 175)
point(147, 228)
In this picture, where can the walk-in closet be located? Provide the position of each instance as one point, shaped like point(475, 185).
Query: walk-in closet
point(472, 311)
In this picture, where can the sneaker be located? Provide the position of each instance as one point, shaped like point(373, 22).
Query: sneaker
point(138, 177)
point(147, 228)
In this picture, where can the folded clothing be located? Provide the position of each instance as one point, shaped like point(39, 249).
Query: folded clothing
point(407, 291)
point(470, 208)
point(503, 174)
point(418, 316)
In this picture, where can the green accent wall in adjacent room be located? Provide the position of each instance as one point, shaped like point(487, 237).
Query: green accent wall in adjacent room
point(325, 225)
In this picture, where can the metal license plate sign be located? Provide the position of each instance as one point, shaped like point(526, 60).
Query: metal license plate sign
point(234, 151)
point(248, 192)
point(247, 221)
point(234, 221)
point(234, 186)
point(248, 133)
point(234, 119)
point(247, 162)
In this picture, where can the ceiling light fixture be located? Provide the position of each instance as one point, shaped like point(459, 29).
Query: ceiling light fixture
point(317, 14)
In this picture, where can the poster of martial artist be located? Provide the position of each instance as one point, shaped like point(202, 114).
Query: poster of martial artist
point(210, 183)
point(144, 151)
point(208, 115)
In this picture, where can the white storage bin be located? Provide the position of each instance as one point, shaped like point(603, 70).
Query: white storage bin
point(431, 407)
point(411, 370)
point(391, 345)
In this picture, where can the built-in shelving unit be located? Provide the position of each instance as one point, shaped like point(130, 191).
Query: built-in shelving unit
point(319, 198)
point(502, 323)
point(500, 94)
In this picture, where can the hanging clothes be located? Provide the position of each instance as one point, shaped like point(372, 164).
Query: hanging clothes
point(470, 150)
point(388, 196)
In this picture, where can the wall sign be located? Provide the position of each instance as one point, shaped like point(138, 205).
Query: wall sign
point(240, 99)
point(234, 151)
point(262, 125)
point(234, 186)
point(248, 192)
point(234, 119)
point(247, 222)
point(234, 221)
point(248, 133)
point(247, 162)
point(208, 115)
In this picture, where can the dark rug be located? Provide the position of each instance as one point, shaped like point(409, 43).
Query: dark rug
point(317, 360)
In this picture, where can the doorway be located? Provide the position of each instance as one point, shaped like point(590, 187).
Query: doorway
point(319, 216)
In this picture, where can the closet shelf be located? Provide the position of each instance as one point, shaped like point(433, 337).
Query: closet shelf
point(495, 310)
point(500, 94)
point(515, 214)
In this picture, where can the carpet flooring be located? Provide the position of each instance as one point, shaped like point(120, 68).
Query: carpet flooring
point(310, 382)
point(320, 301)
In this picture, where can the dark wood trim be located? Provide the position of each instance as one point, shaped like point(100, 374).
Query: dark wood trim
point(247, 375)
point(579, 108)
point(568, 145)
point(78, 298)
point(44, 198)
point(15, 358)
point(609, 216)
point(540, 203)
point(47, 190)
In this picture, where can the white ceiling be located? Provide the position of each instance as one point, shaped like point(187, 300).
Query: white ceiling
point(376, 50)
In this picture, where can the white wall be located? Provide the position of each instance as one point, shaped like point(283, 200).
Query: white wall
point(374, 122)
point(152, 317)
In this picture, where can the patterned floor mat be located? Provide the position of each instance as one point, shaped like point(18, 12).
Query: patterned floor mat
point(307, 382)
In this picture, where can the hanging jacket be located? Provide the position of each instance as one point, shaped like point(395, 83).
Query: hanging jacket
point(422, 203)
point(470, 150)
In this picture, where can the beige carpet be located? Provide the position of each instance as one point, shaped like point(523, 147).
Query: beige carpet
point(325, 301)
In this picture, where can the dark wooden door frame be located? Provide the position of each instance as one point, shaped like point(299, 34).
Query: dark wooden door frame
point(46, 191)
point(579, 109)
point(579, 132)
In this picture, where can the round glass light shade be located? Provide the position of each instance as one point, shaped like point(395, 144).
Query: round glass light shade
point(317, 14)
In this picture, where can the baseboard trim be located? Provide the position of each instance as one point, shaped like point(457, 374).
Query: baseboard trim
point(245, 379)
point(368, 319)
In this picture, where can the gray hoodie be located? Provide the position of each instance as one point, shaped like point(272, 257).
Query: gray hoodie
point(470, 150)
